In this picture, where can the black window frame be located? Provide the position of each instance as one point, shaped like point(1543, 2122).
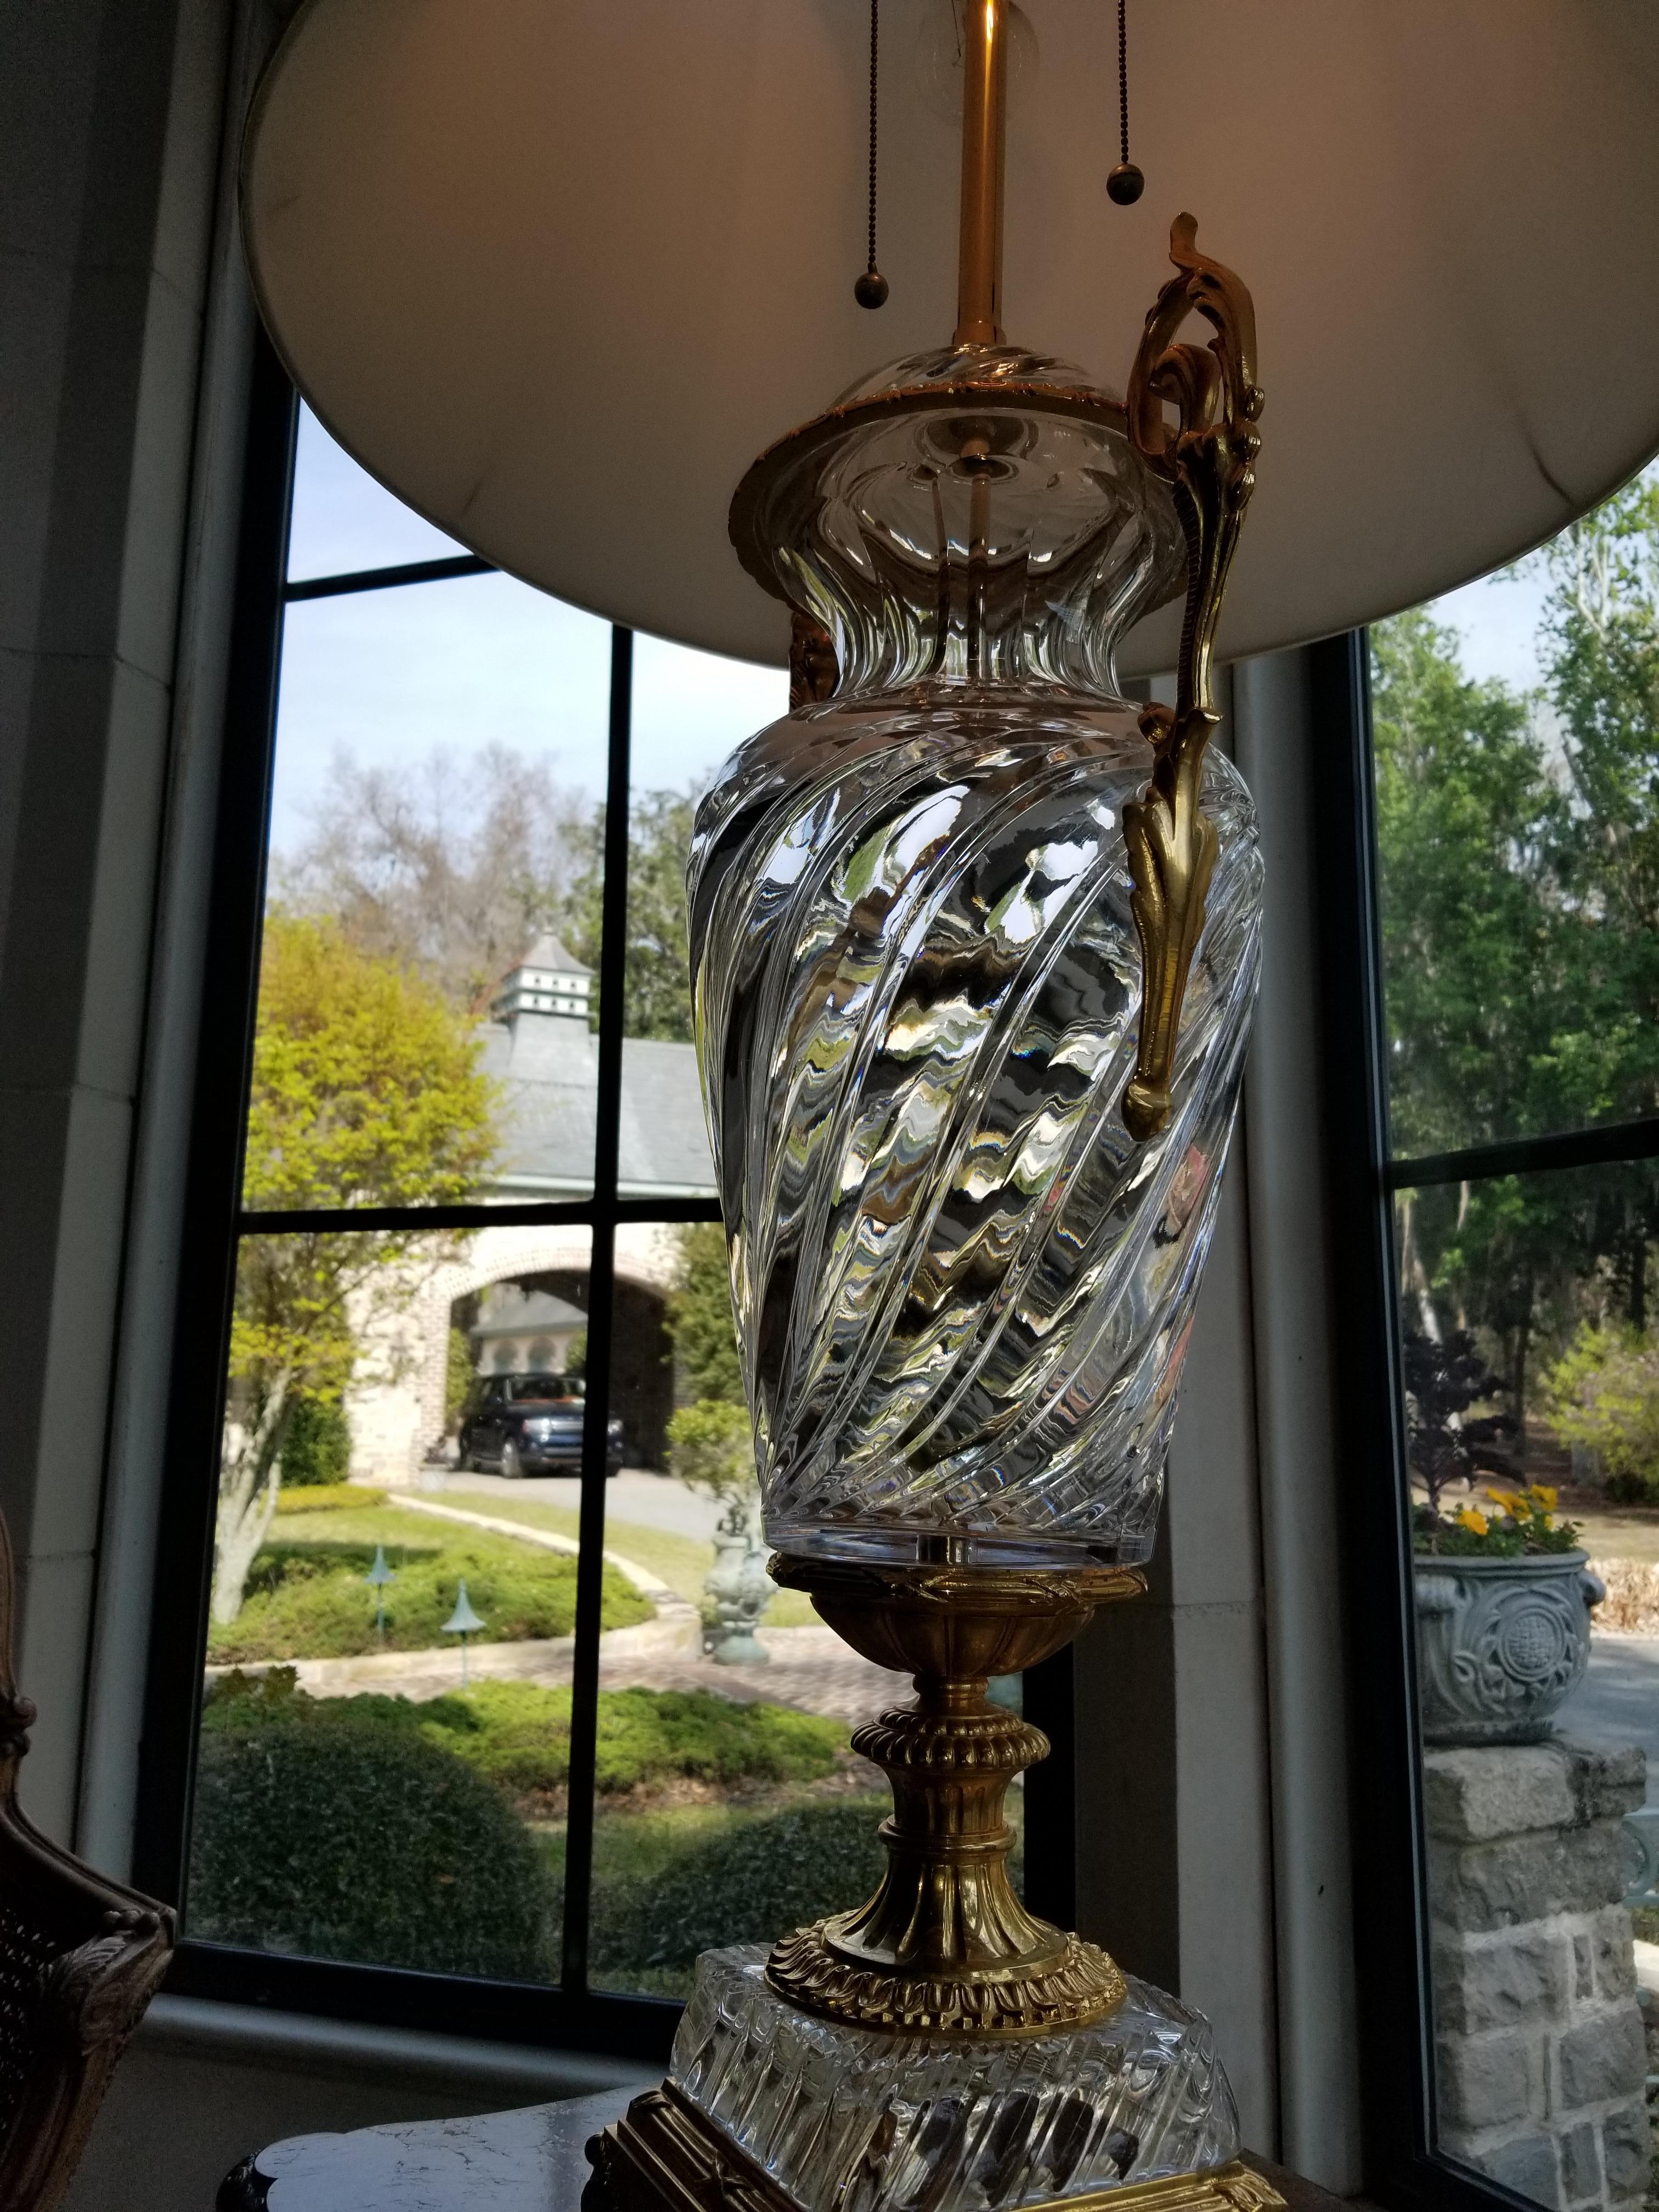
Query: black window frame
point(1391, 1921)
point(570, 2015)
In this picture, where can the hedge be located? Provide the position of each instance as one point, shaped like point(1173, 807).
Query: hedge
point(320, 1830)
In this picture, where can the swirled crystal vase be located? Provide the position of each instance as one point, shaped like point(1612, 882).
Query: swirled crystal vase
point(964, 1290)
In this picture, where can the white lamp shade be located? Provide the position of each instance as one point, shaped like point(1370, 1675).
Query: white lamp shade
point(556, 270)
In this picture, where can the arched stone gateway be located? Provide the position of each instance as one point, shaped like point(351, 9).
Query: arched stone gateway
point(395, 1418)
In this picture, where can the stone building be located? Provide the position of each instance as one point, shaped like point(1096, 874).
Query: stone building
point(540, 1049)
point(1542, 2059)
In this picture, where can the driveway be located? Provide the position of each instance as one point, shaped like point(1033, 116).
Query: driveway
point(1618, 1701)
point(633, 1494)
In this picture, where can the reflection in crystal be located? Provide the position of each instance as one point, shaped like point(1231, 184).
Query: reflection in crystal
point(849, 2118)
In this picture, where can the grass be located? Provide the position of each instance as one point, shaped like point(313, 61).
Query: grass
point(680, 1561)
point(306, 1598)
point(1618, 1531)
point(329, 1496)
point(517, 1734)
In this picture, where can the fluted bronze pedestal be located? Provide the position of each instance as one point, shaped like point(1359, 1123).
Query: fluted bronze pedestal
point(945, 1946)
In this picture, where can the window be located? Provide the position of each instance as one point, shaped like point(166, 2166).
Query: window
point(472, 1702)
point(1495, 1096)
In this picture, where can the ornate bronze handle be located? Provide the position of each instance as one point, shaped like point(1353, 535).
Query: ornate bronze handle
point(1208, 461)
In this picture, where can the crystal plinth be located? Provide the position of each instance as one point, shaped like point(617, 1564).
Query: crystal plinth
point(846, 2119)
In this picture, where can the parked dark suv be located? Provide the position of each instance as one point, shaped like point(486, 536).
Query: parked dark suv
point(531, 1424)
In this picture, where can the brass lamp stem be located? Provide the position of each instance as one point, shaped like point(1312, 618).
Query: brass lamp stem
point(944, 1946)
point(984, 136)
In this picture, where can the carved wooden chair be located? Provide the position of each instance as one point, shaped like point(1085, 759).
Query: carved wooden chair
point(79, 1958)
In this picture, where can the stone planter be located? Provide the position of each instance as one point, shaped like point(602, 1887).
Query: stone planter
point(1500, 1643)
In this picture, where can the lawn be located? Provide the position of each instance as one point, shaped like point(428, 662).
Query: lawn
point(680, 1561)
point(307, 1597)
point(517, 1734)
point(1617, 1532)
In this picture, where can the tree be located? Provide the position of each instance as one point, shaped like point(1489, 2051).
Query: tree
point(1519, 847)
point(711, 1444)
point(1603, 1394)
point(448, 867)
point(698, 1318)
point(1602, 631)
point(1443, 1381)
point(366, 1091)
point(658, 937)
point(452, 869)
point(1469, 832)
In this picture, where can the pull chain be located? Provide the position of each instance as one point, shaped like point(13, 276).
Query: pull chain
point(871, 289)
point(1126, 183)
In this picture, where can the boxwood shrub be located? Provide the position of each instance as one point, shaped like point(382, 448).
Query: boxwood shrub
point(321, 1829)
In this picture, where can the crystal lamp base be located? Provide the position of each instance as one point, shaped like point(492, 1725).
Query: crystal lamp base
point(852, 2119)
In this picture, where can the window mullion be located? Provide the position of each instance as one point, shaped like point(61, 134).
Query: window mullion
point(584, 1675)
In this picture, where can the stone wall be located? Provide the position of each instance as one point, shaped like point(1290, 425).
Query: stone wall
point(1542, 2058)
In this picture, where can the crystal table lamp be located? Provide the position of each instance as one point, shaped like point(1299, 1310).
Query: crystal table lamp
point(975, 943)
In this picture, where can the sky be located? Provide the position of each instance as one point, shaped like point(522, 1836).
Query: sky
point(389, 676)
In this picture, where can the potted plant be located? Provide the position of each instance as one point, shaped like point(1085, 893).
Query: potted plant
point(1504, 1595)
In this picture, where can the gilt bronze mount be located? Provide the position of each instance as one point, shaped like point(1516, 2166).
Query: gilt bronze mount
point(1208, 461)
point(944, 1946)
point(664, 2156)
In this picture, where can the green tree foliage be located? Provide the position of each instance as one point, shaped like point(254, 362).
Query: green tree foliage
point(1468, 826)
point(711, 1446)
point(1519, 849)
point(1603, 1394)
point(317, 1449)
point(460, 1375)
point(450, 869)
point(658, 988)
point(698, 1317)
point(366, 1091)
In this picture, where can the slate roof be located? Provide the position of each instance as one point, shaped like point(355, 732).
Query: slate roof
point(548, 1067)
point(548, 952)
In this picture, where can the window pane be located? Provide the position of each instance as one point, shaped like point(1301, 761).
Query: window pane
point(689, 711)
point(730, 1805)
point(1516, 728)
point(1531, 1368)
point(385, 1737)
point(428, 1014)
point(343, 521)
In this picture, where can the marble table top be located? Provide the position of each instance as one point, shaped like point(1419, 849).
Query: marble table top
point(530, 2160)
point(533, 2159)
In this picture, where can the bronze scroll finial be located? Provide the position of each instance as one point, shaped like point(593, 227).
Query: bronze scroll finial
point(1208, 460)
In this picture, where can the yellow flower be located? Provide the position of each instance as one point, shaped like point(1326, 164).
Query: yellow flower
point(1474, 1521)
point(1545, 1495)
point(1508, 1502)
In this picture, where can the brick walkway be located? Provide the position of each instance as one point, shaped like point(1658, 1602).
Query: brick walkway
point(810, 1668)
